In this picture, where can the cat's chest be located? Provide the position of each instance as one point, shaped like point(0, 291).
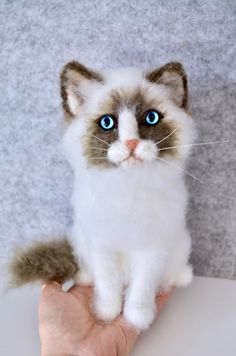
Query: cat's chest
point(133, 206)
point(130, 190)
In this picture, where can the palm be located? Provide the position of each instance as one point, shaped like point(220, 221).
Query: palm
point(62, 312)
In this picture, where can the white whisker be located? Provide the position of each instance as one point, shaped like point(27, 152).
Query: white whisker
point(99, 149)
point(193, 144)
point(97, 157)
point(177, 128)
point(100, 139)
point(145, 70)
point(180, 168)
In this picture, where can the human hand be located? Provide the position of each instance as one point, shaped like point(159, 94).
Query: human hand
point(68, 326)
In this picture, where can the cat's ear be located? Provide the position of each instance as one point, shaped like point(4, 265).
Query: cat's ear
point(73, 76)
point(172, 75)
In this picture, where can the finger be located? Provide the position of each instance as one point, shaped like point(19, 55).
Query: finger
point(49, 300)
point(129, 330)
point(81, 290)
point(129, 334)
point(51, 288)
point(162, 298)
point(54, 283)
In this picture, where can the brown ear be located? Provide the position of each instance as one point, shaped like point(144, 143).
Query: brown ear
point(72, 75)
point(172, 75)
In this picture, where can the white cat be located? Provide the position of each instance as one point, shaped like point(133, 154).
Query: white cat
point(122, 140)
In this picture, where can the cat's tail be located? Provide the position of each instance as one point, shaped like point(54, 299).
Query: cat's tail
point(43, 261)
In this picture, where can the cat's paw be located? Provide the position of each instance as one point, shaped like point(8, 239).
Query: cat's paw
point(184, 277)
point(107, 310)
point(84, 278)
point(139, 315)
point(180, 279)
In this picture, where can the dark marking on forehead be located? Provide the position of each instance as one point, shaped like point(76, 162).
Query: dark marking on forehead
point(135, 100)
point(125, 98)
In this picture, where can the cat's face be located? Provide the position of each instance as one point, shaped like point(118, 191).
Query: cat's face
point(125, 118)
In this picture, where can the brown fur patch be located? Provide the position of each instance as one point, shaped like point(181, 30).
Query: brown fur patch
point(124, 98)
point(96, 144)
point(97, 141)
point(117, 100)
point(172, 69)
point(72, 73)
point(159, 132)
point(43, 261)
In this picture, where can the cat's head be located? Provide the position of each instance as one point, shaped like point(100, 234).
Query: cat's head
point(124, 117)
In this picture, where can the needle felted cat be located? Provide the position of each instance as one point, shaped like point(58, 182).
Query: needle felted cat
point(122, 139)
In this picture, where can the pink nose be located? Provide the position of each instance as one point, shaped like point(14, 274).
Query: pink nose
point(132, 144)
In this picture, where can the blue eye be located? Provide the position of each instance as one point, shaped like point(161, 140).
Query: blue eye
point(107, 122)
point(152, 117)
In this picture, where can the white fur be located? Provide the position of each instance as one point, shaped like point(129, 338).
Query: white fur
point(129, 221)
point(128, 128)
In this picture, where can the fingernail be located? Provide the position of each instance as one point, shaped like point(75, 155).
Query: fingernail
point(51, 282)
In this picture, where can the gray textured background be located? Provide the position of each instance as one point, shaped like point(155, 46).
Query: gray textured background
point(38, 37)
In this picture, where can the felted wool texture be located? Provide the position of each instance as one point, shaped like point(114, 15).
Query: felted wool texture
point(38, 38)
point(43, 261)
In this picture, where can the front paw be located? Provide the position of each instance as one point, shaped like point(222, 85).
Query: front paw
point(107, 310)
point(184, 277)
point(139, 315)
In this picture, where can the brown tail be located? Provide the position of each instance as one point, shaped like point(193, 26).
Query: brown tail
point(43, 261)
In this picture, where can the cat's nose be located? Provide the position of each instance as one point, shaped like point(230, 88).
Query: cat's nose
point(132, 144)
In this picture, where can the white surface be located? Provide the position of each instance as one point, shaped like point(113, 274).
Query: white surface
point(198, 321)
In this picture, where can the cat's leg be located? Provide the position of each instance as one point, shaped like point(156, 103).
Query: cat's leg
point(184, 276)
point(84, 275)
point(177, 278)
point(178, 272)
point(146, 269)
point(108, 285)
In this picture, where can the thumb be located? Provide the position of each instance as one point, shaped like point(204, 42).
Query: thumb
point(50, 298)
point(50, 288)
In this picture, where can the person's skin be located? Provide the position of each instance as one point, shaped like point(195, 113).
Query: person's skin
point(68, 326)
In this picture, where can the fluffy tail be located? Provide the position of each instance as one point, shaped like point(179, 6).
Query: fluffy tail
point(43, 261)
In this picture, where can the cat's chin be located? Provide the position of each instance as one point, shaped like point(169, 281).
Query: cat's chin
point(131, 161)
